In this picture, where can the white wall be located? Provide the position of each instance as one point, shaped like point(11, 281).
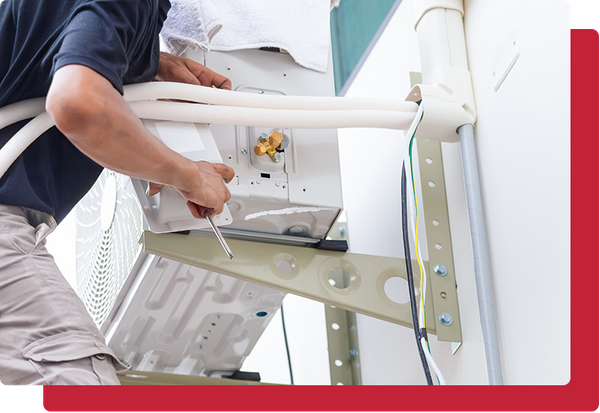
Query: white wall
point(523, 144)
point(522, 138)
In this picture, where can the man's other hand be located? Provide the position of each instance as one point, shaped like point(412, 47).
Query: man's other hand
point(183, 70)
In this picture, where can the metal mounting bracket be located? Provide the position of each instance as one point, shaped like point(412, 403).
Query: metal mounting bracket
point(309, 275)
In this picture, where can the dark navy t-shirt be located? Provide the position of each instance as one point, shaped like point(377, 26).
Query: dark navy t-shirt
point(116, 38)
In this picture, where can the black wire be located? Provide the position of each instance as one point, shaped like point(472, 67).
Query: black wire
point(287, 347)
point(409, 277)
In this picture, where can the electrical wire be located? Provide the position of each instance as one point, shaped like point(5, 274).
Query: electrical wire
point(411, 289)
point(423, 342)
point(287, 347)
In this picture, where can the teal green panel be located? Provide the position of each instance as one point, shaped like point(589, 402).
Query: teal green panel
point(353, 25)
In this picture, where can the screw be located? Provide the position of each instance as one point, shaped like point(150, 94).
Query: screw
point(262, 92)
point(514, 42)
point(494, 73)
point(277, 157)
point(263, 137)
point(352, 353)
point(446, 319)
point(244, 152)
point(342, 230)
point(443, 294)
point(440, 269)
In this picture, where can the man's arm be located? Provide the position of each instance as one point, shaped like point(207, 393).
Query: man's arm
point(90, 112)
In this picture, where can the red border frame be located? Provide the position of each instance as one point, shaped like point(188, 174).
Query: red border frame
point(580, 394)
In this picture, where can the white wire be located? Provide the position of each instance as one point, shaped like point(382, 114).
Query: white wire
point(432, 362)
point(412, 203)
point(413, 219)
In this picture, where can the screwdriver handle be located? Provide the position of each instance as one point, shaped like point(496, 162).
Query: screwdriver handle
point(204, 211)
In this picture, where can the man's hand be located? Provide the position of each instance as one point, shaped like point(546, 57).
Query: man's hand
point(208, 190)
point(181, 69)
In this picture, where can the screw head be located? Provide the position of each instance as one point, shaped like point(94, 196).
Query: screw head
point(342, 230)
point(446, 319)
point(493, 73)
point(244, 152)
point(263, 137)
point(352, 353)
point(277, 157)
point(440, 269)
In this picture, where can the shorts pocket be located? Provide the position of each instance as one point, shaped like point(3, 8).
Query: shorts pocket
point(75, 357)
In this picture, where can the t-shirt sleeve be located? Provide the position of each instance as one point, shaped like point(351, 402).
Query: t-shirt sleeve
point(103, 35)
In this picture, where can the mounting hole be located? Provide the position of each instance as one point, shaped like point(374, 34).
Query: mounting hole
point(339, 278)
point(230, 157)
point(284, 267)
point(303, 189)
point(396, 289)
point(335, 326)
point(431, 184)
point(429, 161)
point(338, 363)
point(261, 314)
point(438, 246)
point(435, 222)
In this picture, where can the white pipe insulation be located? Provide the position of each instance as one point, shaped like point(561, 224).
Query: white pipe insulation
point(224, 107)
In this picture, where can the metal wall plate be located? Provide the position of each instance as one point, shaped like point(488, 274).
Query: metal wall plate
point(505, 58)
point(439, 242)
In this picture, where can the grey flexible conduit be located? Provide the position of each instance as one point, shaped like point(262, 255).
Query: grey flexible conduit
point(485, 294)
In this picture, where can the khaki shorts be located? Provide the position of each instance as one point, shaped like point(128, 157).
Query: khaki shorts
point(46, 334)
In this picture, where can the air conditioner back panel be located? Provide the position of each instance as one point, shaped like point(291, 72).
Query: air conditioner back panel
point(186, 320)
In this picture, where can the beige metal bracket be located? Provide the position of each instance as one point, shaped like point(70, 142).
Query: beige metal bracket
point(362, 281)
point(437, 225)
point(342, 345)
point(439, 242)
point(342, 335)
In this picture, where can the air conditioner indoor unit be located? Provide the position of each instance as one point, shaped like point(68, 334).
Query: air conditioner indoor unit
point(165, 316)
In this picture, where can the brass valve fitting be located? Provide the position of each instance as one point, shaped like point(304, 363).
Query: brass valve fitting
point(270, 146)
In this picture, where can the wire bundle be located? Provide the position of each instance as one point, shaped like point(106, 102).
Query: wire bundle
point(420, 333)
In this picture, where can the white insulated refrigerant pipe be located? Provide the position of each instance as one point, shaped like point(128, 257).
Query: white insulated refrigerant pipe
point(222, 107)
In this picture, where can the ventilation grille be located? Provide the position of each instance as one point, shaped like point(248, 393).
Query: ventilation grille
point(109, 226)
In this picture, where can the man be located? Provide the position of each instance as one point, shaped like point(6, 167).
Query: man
point(79, 53)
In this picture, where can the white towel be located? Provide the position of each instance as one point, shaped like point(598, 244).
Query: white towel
point(300, 27)
point(190, 23)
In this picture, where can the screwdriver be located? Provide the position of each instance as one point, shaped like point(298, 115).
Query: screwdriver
point(205, 213)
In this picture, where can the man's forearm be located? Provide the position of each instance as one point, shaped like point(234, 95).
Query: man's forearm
point(96, 119)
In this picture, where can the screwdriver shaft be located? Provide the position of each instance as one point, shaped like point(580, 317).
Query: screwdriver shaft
point(219, 236)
